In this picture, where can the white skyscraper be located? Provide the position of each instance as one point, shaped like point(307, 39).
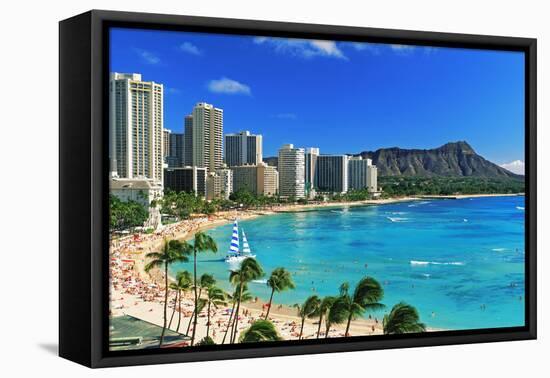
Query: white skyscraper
point(372, 178)
point(207, 136)
point(358, 169)
point(136, 127)
point(311, 156)
point(291, 171)
point(243, 148)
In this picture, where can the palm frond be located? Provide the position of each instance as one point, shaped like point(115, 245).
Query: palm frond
point(403, 318)
point(260, 330)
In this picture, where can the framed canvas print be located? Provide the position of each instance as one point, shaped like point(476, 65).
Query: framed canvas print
point(233, 188)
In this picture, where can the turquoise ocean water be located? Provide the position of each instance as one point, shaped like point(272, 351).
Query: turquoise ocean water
point(460, 262)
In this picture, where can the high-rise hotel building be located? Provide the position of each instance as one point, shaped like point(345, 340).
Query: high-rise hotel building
point(310, 166)
point(358, 172)
point(176, 154)
point(207, 136)
point(332, 173)
point(372, 178)
point(243, 148)
point(136, 127)
point(291, 166)
point(219, 184)
point(166, 142)
point(259, 179)
point(188, 142)
point(362, 174)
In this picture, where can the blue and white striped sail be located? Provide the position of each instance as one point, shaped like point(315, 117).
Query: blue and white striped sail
point(234, 247)
point(246, 247)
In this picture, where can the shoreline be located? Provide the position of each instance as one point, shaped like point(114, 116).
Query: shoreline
point(146, 302)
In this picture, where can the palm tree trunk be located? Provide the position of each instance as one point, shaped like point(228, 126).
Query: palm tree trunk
point(319, 327)
point(229, 321)
point(208, 320)
point(302, 327)
point(236, 327)
point(190, 321)
point(347, 326)
point(233, 328)
point(179, 311)
point(174, 310)
point(192, 316)
point(270, 300)
point(327, 329)
point(196, 295)
point(165, 302)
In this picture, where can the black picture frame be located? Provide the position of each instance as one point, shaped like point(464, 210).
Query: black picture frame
point(83, 182)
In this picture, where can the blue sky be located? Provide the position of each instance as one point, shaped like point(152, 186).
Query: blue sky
point(343, 97)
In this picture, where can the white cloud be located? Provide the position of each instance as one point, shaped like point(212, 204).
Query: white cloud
point(402, 49)
point(228, 86)
point(302, 47)
point(148, 56)
point(365, 46)
point(190, 48)
point(516, 166)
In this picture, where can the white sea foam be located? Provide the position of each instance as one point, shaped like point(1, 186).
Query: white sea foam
point(415, 262)
point(260, 281)
point(397, 219)
point(520, 207)
point(498, 249)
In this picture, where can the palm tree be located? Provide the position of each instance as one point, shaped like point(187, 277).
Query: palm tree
point(307, 310)
point(336, 315)
point(280, 280)
point(205, 281)
point(172, 251)
point(182, 284)
point(207, 340)
point(403, 318)
point(323, 310)
point(249, 270)
point(216, 297)
point(245, 297)
point(201, 243)
point(260, 330)
point(366, 296)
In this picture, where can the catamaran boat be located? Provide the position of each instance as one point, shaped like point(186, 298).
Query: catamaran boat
point(236, 255)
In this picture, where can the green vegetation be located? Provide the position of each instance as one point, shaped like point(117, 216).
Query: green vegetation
point(172, 252)
point(403, 318)
point(365, 297)
point(249, 270)
point(280, 280)
point(216, 297)
point(207, 340)
point(351, 196)
point(260, 330)
point(407, 186)
point(201, 243)
point(182, 284)
point(244, 296)
point(308, 309)
point(125, 215)
point(323, 310)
